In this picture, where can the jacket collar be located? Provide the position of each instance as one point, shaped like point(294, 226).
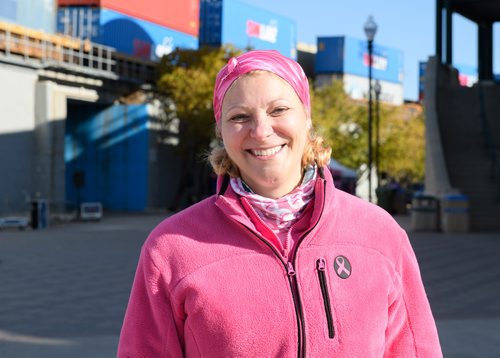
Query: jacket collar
point(324, 200)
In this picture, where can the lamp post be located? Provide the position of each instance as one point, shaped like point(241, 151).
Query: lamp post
point(370, 30)
point(378, 89)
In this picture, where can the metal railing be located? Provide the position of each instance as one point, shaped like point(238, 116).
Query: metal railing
point(61, 52)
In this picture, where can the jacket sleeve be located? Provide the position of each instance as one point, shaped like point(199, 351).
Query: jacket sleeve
point(411, 330)
point(149, 328)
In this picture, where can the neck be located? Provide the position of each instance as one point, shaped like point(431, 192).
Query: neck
point(273, 189)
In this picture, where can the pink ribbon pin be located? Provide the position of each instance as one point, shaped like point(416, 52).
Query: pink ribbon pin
point(342, 269)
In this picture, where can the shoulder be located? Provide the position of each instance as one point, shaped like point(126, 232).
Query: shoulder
point(367, 225)
point(366, 212)
point(192, 237)
point(178, 244)
point(184, 224)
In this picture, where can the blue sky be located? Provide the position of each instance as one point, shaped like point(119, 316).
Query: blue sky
point(408, 25)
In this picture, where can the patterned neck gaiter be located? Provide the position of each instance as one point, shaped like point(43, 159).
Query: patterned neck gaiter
point(279, 214)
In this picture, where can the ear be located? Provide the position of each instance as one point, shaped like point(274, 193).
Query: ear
point(218, 132)
point(308, 121)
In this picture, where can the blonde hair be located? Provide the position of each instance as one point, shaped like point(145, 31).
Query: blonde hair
point(315, 152)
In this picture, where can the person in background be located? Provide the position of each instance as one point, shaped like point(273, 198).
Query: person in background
point(278, 263)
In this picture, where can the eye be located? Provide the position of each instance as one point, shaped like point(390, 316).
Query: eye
point(238, 118)
point(279, 111)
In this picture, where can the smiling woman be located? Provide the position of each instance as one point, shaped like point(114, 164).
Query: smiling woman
point(264, 128)
point(278, 263)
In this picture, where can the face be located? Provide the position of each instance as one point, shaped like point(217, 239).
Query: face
point(264, 128)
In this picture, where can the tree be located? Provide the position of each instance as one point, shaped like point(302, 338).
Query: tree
point(402, 149)
point(343, 122)
point(185, 87)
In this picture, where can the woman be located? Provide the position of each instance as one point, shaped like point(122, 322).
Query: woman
point(278, 263)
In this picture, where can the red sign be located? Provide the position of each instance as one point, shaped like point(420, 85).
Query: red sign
point(178, 15)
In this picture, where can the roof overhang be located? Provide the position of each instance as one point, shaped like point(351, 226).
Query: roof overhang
point(477, 10)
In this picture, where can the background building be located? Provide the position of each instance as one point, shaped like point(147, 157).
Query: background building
point(148, 29)
point(67, 118)
point(38, 15)
point(346, 59)
point(246, 27)
point(306, 56)
point(467, 76)
point(77, 134)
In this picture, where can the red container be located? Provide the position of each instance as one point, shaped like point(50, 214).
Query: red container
point(178, 15)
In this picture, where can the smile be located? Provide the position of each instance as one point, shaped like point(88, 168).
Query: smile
point(266, 152)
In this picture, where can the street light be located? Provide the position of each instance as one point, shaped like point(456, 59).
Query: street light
point(378, 89)
point(370, 31)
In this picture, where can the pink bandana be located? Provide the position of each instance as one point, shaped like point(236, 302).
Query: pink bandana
point(266, 60)
point(280, 214)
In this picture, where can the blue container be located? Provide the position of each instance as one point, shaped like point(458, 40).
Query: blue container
point(422, 66)
point(246, 27)
point(346, 55)
point(126, 34)
point(38, 15)
point(210, 23)
point(108, 148)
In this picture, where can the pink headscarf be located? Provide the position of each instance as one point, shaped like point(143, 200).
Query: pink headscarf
point(266, 60)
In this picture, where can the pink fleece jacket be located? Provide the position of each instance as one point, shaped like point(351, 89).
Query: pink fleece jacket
point(211, 283)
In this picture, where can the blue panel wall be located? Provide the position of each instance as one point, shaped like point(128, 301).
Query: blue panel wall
point(127, 34)
point(141, 38)
point(245, 26)
point(81, 22)
point(330, 55)
point(343, 54)
point(388, 63)
point(210, 22)
point(110, 146)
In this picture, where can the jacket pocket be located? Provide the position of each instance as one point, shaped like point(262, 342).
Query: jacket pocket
point(321, 266)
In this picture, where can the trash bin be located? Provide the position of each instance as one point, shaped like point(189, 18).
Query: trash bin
point(424, 213)
point(455, 213)
point(385, 198)
point(399, 202)
point(39, 214)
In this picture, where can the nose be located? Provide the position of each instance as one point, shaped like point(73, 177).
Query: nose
point(262, 127)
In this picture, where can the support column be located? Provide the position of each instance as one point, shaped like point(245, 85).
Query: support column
point(439, 30)
point(485, 50)
point(50, 114)
point(449, 34)
point(50, 127)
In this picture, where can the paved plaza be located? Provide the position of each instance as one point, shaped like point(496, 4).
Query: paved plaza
point(63, 290)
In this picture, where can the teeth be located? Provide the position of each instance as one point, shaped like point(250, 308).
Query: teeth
point(266, 152)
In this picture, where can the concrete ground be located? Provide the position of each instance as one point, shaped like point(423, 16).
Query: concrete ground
point(63, 291)
point(461, 274)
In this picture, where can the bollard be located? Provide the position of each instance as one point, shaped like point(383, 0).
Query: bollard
point(39, 214)
point(424, 213)
point(455, 213)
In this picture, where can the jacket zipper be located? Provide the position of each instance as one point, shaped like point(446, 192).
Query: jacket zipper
point(300, 312)
point(321, 266)
point(289, 267)
point(301, 352)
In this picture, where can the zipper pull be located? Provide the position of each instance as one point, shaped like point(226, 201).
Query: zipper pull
point(321, 264)
point(290, 269)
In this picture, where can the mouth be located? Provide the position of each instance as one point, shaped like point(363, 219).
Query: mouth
point(266, 152)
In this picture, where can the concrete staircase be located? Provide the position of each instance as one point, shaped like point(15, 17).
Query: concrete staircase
point(464, 142)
